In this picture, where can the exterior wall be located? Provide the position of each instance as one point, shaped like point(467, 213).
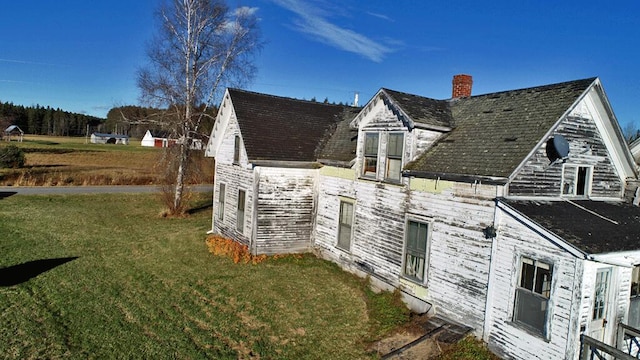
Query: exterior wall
point(459, 255)
point(285, 210)
point(236, 177)
point(587, 147)
point(514, 341)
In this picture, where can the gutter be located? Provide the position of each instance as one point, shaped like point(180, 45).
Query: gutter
point(473, 179)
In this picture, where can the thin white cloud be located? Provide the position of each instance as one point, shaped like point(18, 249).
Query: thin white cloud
point(380, 16)
point(313, 21)
point(26, 62)
point(245, 10)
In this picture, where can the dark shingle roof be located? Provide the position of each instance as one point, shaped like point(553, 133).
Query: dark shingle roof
point(493, 133)
point(423, 110)
point(341, 145)
point(283, 129)
point(583, 229)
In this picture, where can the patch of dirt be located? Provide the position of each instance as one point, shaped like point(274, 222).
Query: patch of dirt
point(437, 335)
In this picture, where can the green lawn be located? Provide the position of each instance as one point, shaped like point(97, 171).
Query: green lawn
point(143, 286)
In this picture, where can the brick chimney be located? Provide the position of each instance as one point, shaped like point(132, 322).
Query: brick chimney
point(461, 86)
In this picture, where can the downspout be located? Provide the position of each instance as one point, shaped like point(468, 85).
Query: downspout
point(492, 265)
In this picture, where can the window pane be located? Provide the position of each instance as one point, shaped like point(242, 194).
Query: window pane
point(394, 168)
point(530, 309)
point(412, 236)
point(414, 266)
point(422, 238)
point(236, 149)
point(543, 281)
point(370, 165)
point(581, 187)
point(527, 275)
point(635, 281)
point(240, 212)
point(221, 198)
point(345, 223)
point(371, 144)
point(569, 184)
point(394, 147)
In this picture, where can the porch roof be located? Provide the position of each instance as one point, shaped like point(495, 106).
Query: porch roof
point(594, 227)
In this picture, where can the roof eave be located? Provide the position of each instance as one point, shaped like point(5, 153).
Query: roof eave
point(466, 178)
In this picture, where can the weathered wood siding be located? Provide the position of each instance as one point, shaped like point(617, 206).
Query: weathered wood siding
point(506, 337)
point(285, 210)
point(587, 147)
point(236, 177)
point(459, 255)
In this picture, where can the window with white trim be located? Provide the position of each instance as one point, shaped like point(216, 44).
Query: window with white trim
point(634, 305)
point(345, 224)
point(395, 145)
point(221, 198)
point(532, 294)
point(370, 167)
point(240, 213)
point(576, 180)
point(415, 250)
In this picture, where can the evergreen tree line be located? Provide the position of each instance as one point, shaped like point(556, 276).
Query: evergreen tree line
point(47, 121)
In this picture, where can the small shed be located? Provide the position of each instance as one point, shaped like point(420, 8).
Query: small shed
point(156, 139)
point(13, 131)
point(100, 138)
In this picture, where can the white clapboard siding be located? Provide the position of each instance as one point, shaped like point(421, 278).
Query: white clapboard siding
point(235, 178)
point(285, 210)
point(587, 147)
point(506, 337)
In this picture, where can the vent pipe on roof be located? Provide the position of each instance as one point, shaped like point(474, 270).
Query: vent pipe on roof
point(355, 99)
point(461, 86)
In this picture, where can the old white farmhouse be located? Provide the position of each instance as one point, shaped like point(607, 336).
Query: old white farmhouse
point(509, 212)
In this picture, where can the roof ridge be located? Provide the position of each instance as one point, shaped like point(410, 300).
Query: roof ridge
point(536, 88)
point(286, 98)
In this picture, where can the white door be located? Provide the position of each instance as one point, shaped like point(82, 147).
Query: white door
point(601, 306)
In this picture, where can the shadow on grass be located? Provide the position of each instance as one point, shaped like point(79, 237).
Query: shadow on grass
point(17, 274)
point(201, 208)
point(6, 194)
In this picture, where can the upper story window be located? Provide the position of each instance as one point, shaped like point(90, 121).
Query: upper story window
point(395, 145)
point(532, 294)
point(370, 167)
point(576, 180)
point(236, 150)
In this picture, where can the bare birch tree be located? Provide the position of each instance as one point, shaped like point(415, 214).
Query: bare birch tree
point(201, 47)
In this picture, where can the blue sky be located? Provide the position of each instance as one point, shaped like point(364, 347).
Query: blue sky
point(82, 56)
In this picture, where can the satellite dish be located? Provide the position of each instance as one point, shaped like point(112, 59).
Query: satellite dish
point(557, 148)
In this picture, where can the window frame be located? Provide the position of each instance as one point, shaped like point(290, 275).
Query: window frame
point(351, 218)
point(240, 222)
point(395, 157)
point(572, 172)
point(406, 250)
point(522, 292)
point(370, 156)
point(222, 194)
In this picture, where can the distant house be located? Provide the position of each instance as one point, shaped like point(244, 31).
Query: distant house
point(13, 131)
point(100, 138)
point(507, 212)
point(157, 139)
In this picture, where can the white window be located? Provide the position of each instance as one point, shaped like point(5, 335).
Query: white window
point(532, 294)
point(370, 167)
point(240, 212)
point(634, 306)
point(576, 180)
point(221, 197)
point(236, 150)
point(395, 146)
point(415, 250)
point(345, 224)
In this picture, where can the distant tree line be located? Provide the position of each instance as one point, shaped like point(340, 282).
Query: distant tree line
point(136, 120)
point(47, 121)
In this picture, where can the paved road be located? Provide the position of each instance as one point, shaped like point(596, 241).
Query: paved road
point(45, 190)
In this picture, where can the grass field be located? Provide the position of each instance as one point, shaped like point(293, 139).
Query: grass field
point(104, 276)
point(56, 161)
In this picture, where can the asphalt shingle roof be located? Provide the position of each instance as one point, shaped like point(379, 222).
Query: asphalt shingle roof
point(493, 133)
point(283, 129)
point(423, 110)
point(583, 229)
